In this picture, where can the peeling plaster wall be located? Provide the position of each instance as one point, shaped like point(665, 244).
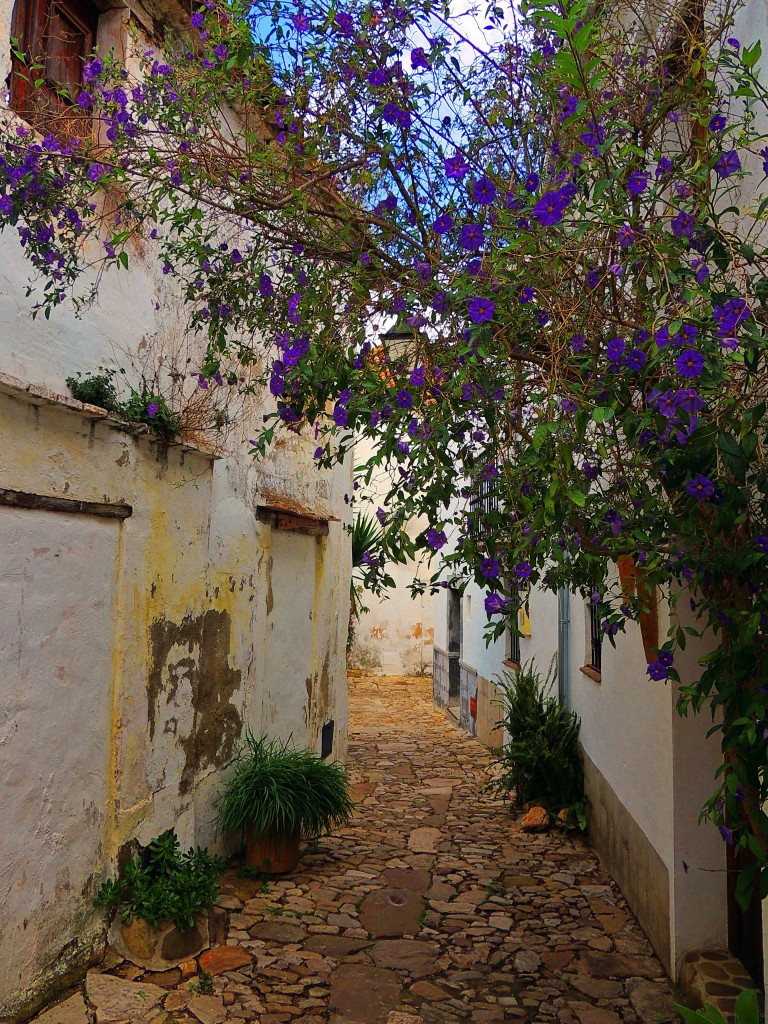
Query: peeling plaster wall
point(172, 631)
point(165, 635)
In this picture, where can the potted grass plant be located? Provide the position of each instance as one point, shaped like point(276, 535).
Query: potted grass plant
point(277, 796)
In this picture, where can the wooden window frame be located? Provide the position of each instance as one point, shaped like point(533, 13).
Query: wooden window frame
point(43, 105)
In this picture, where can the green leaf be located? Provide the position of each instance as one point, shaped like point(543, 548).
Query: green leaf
point(751, 55)
point(577, 497)
point(602, 414)
point(747, 1009)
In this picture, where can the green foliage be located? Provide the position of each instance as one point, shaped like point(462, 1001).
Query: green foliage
point(203, 984)
point(163, 884)
point(95, 389)
point(541, 762)
point(140, 407)
point(276, 788)
point(747, 1012)
point(366, 535)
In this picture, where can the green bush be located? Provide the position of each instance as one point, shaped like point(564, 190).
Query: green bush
point(95, 389)
point(275, 788)
point(541, 762)
point(163, 884)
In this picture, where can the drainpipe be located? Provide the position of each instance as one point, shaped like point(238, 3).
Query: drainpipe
point(564, 646)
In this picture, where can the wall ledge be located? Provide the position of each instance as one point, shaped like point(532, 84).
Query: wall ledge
point(40, 395)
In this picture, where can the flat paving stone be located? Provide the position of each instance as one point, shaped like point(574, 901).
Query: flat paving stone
point(361, 994)
point(71, 1011)
point(411, 955)
point(391, 913)
point(115, 999)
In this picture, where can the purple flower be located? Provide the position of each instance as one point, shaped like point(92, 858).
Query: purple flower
point(340, 416)
point(728, 163)
point(442, 224)
point(404, 398)
point(153, 409)
point(550, 209)
point(568, 405)
point(456, 167)
point(657, 671)
point(300, 22)
point(666, 403)
point(526, 295)
point(490, 568)
point(419, 59)
point(689, 400)
point(614, 350)
point(92, 69)
point(495, 603)
point(523, 570)
point(578, 342)
point(727, 834)
point(682, 225)
point(484, 191)
point(344, 23)
point(221, 52)
point(418, 377)
point(663, 167)
point(265, 286)
point(637, 182)
point(197, 20)
point(689, 363)
point(472, 237)
point(666, 658)
point(635, 360)
point(761, 543)
point(436, 538)
point(626, 236)
point(700, 487)
point(593, 278)
point(480, 309)
point(717, 123)
point(532, 182)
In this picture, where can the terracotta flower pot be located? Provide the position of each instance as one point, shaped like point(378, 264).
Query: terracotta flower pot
point(160, 946)
point(270, 853)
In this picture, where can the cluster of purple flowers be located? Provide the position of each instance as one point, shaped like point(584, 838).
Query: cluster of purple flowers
point(728, 318)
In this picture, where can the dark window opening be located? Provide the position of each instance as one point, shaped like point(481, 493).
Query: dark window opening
point(482, 502)
point(512, 645)
point(595, 638)
point(326, 738)
point(56, 36)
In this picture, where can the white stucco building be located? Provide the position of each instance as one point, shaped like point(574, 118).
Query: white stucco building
point(156, 599)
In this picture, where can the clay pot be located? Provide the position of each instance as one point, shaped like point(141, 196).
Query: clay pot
point(271, 854)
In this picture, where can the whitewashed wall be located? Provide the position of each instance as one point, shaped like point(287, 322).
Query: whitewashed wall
point(137, 650)
point(395, 634)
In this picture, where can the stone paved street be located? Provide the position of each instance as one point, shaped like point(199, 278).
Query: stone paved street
point(432, 906)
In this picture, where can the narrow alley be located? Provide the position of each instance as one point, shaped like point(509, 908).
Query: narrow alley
point(432, 906)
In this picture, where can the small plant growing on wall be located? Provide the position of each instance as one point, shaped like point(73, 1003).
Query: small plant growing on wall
point(142, 406)
point(163, 884)
point(96, 389)
point(541, 761)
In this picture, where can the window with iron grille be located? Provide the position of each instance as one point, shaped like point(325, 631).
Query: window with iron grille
point(512, 642)
point(595, 638)
point(56, 36)
point(484, 500)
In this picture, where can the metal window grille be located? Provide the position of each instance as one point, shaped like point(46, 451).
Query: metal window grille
point(595, 638)
point(482, 502)
point(513, 643)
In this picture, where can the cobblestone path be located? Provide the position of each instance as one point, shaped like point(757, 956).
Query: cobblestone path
point(432, 906)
